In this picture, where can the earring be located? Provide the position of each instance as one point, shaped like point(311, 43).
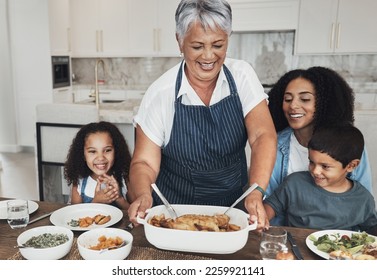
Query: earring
point(181, 55)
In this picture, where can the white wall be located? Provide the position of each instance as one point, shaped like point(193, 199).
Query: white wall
point(30, 62)
point(8, 137)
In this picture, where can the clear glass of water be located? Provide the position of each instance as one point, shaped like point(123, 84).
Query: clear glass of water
point(17, 213)
point(273, 240)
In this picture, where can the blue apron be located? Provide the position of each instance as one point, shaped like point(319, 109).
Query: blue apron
point(204, 162)
point(85, 198)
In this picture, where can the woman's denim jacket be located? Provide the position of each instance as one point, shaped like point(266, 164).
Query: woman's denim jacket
point(362, 173)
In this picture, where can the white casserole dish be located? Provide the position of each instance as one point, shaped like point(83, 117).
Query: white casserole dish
point(198, 241)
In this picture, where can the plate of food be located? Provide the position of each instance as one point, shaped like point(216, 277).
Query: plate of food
point(86, 216)
point(343, 244)
point(33, 206)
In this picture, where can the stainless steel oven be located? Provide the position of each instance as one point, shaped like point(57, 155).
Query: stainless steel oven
point(60, 71)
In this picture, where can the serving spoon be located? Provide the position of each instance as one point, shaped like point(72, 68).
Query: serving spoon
point(164, 200)
point(249, 190)
point(124, 243)
point(24, 246)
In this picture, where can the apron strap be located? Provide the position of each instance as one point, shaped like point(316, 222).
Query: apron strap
point(85, 198)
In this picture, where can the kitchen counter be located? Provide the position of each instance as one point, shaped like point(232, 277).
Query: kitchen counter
point(363, 87)
point(116, 105)
point(115, 112)
point(365, 108)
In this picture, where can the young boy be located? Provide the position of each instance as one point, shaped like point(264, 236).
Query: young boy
point(323, 197)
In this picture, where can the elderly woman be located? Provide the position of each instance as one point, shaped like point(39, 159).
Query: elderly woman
point(194, 122)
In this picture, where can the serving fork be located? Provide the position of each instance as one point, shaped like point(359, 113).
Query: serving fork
point(249, 190)
point(165, 201)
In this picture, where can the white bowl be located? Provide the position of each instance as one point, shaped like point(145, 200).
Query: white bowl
point(90, 238)
point(52, 253)
point(198, 241)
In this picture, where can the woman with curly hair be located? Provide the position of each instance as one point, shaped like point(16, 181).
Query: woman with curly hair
point(98, 164)
point(300, 102)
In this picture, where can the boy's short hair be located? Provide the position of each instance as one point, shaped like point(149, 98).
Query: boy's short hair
point(343, 142)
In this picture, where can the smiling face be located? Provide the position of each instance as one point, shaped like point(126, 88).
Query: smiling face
point(99, 153)
point(204, 53)
point(327, 172)
point(299, 104)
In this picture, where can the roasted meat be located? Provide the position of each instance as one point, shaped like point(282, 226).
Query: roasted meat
point(371, 249)
point(194, 222)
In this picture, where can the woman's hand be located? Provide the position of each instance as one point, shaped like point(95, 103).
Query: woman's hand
point(144, 169)
point(139, 207)
point(262, 139)
point(254, 206)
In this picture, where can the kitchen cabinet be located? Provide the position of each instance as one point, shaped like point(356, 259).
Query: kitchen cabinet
point(337, 27)
point(62, 95)
point(151, 26)
point(60, 30)
point(267, 15)
point(99, 28)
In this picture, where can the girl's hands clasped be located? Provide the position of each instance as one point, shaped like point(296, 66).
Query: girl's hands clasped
point(107, 189)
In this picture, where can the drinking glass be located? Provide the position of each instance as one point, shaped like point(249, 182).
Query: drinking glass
point(17, 213)
point(273, 240)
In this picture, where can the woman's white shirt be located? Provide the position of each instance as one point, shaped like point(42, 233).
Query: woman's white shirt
point(156, 112)
point(298, 156)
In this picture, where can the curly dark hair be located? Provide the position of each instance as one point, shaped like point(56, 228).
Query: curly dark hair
point(75, 166)
point(334, 98)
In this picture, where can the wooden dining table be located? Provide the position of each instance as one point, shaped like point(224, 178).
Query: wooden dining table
point(8, 239)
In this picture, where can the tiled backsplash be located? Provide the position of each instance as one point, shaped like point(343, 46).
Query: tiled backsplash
point(136, 73)
point(271, 55)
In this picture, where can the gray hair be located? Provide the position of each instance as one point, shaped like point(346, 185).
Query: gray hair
point(212, 14)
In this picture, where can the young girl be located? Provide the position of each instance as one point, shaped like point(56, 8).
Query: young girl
point(97, 165)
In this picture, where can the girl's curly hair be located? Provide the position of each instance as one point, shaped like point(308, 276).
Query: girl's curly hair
point(75, 166)
point(334, 98)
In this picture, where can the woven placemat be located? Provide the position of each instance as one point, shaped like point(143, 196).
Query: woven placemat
point(137, 253)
